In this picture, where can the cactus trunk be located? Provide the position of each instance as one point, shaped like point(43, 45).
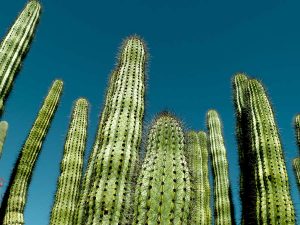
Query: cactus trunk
point(163, 187)
point(67, 195)
point(269, 202)
point(3, 131)
point(197, 155)
point(223, 202)
point(12, 208)
point(296, 161)
point(119, 140)
point(15, 45)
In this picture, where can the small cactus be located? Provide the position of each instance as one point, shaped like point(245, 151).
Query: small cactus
point(119, 137)
point(223, 203)
point(163, 187)
point(12, 207)
point(3, 131)
point(268, 200)
point(197, 156)
point(67, 194)
point(15, 45)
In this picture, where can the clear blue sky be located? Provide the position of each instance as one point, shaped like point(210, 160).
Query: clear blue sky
point(195, 48)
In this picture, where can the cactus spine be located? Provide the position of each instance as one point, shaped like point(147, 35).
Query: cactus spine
point(119, 141)
point(163, 188)
point(269, 202)
point(13, 203)
point(223, 202)
point(67, 195)
point(197, 155)
point(15, 45)
point(296, 161)
point(3, 131)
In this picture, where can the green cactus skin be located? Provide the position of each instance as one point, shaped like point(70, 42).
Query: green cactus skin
point(222, 195)
point(119, 141)
point(197, 155)
point(3, 132)
point(85, 189)
point(12, 208)
point(268, 201)
point(163, 187)
point(67, 195)
point(15, 45)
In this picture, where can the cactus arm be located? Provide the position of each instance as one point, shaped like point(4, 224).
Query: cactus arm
point(223, 211)
point(120, 139)
point(296, 165)
point(67, 195)
point(3, 132)
point(197, 156)
point(163, 190)
point(296, 161)
point(15, 45)
point(14, 200)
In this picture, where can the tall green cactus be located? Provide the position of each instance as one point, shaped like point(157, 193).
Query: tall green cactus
point(3, 131)
point(15, 45)
point(296, 161)
point(197, 156)
point(67, 194)
point(12, 208)
point(223, 202)
point(85, 188)
point(268, 200)
point(110, 181)
point(163, 188)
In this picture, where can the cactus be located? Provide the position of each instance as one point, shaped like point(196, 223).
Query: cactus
point(85, 189)
point(3, 131)
point(120, 134)
point(197, 156)
point(14, 200)
point(296, 161)
point(268, 201)
point(223, 203)
point(163, 187)
point(67, 195)
point(15, 45)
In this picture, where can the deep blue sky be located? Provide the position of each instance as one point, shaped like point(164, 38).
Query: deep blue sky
point(195, 48)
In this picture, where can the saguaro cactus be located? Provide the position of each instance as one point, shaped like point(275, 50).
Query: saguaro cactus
point(15, 45)
point(163, 189)
point(223, 201)
point(269, 202)
point(296, 161)
point(119, 141)
point(197, 155)
point(67, 194)
point(14, 200)
point(3, 131)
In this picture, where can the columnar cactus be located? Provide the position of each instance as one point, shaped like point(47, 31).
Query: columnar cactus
point(222, 195)
point(67, 194)
point(15, 45)
point(119, 140)
point(197, 156)
point(296, 161)
point(163, 187)
point(269, 202)
point(14, 200)
point(85, 188)
point(3, 131)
